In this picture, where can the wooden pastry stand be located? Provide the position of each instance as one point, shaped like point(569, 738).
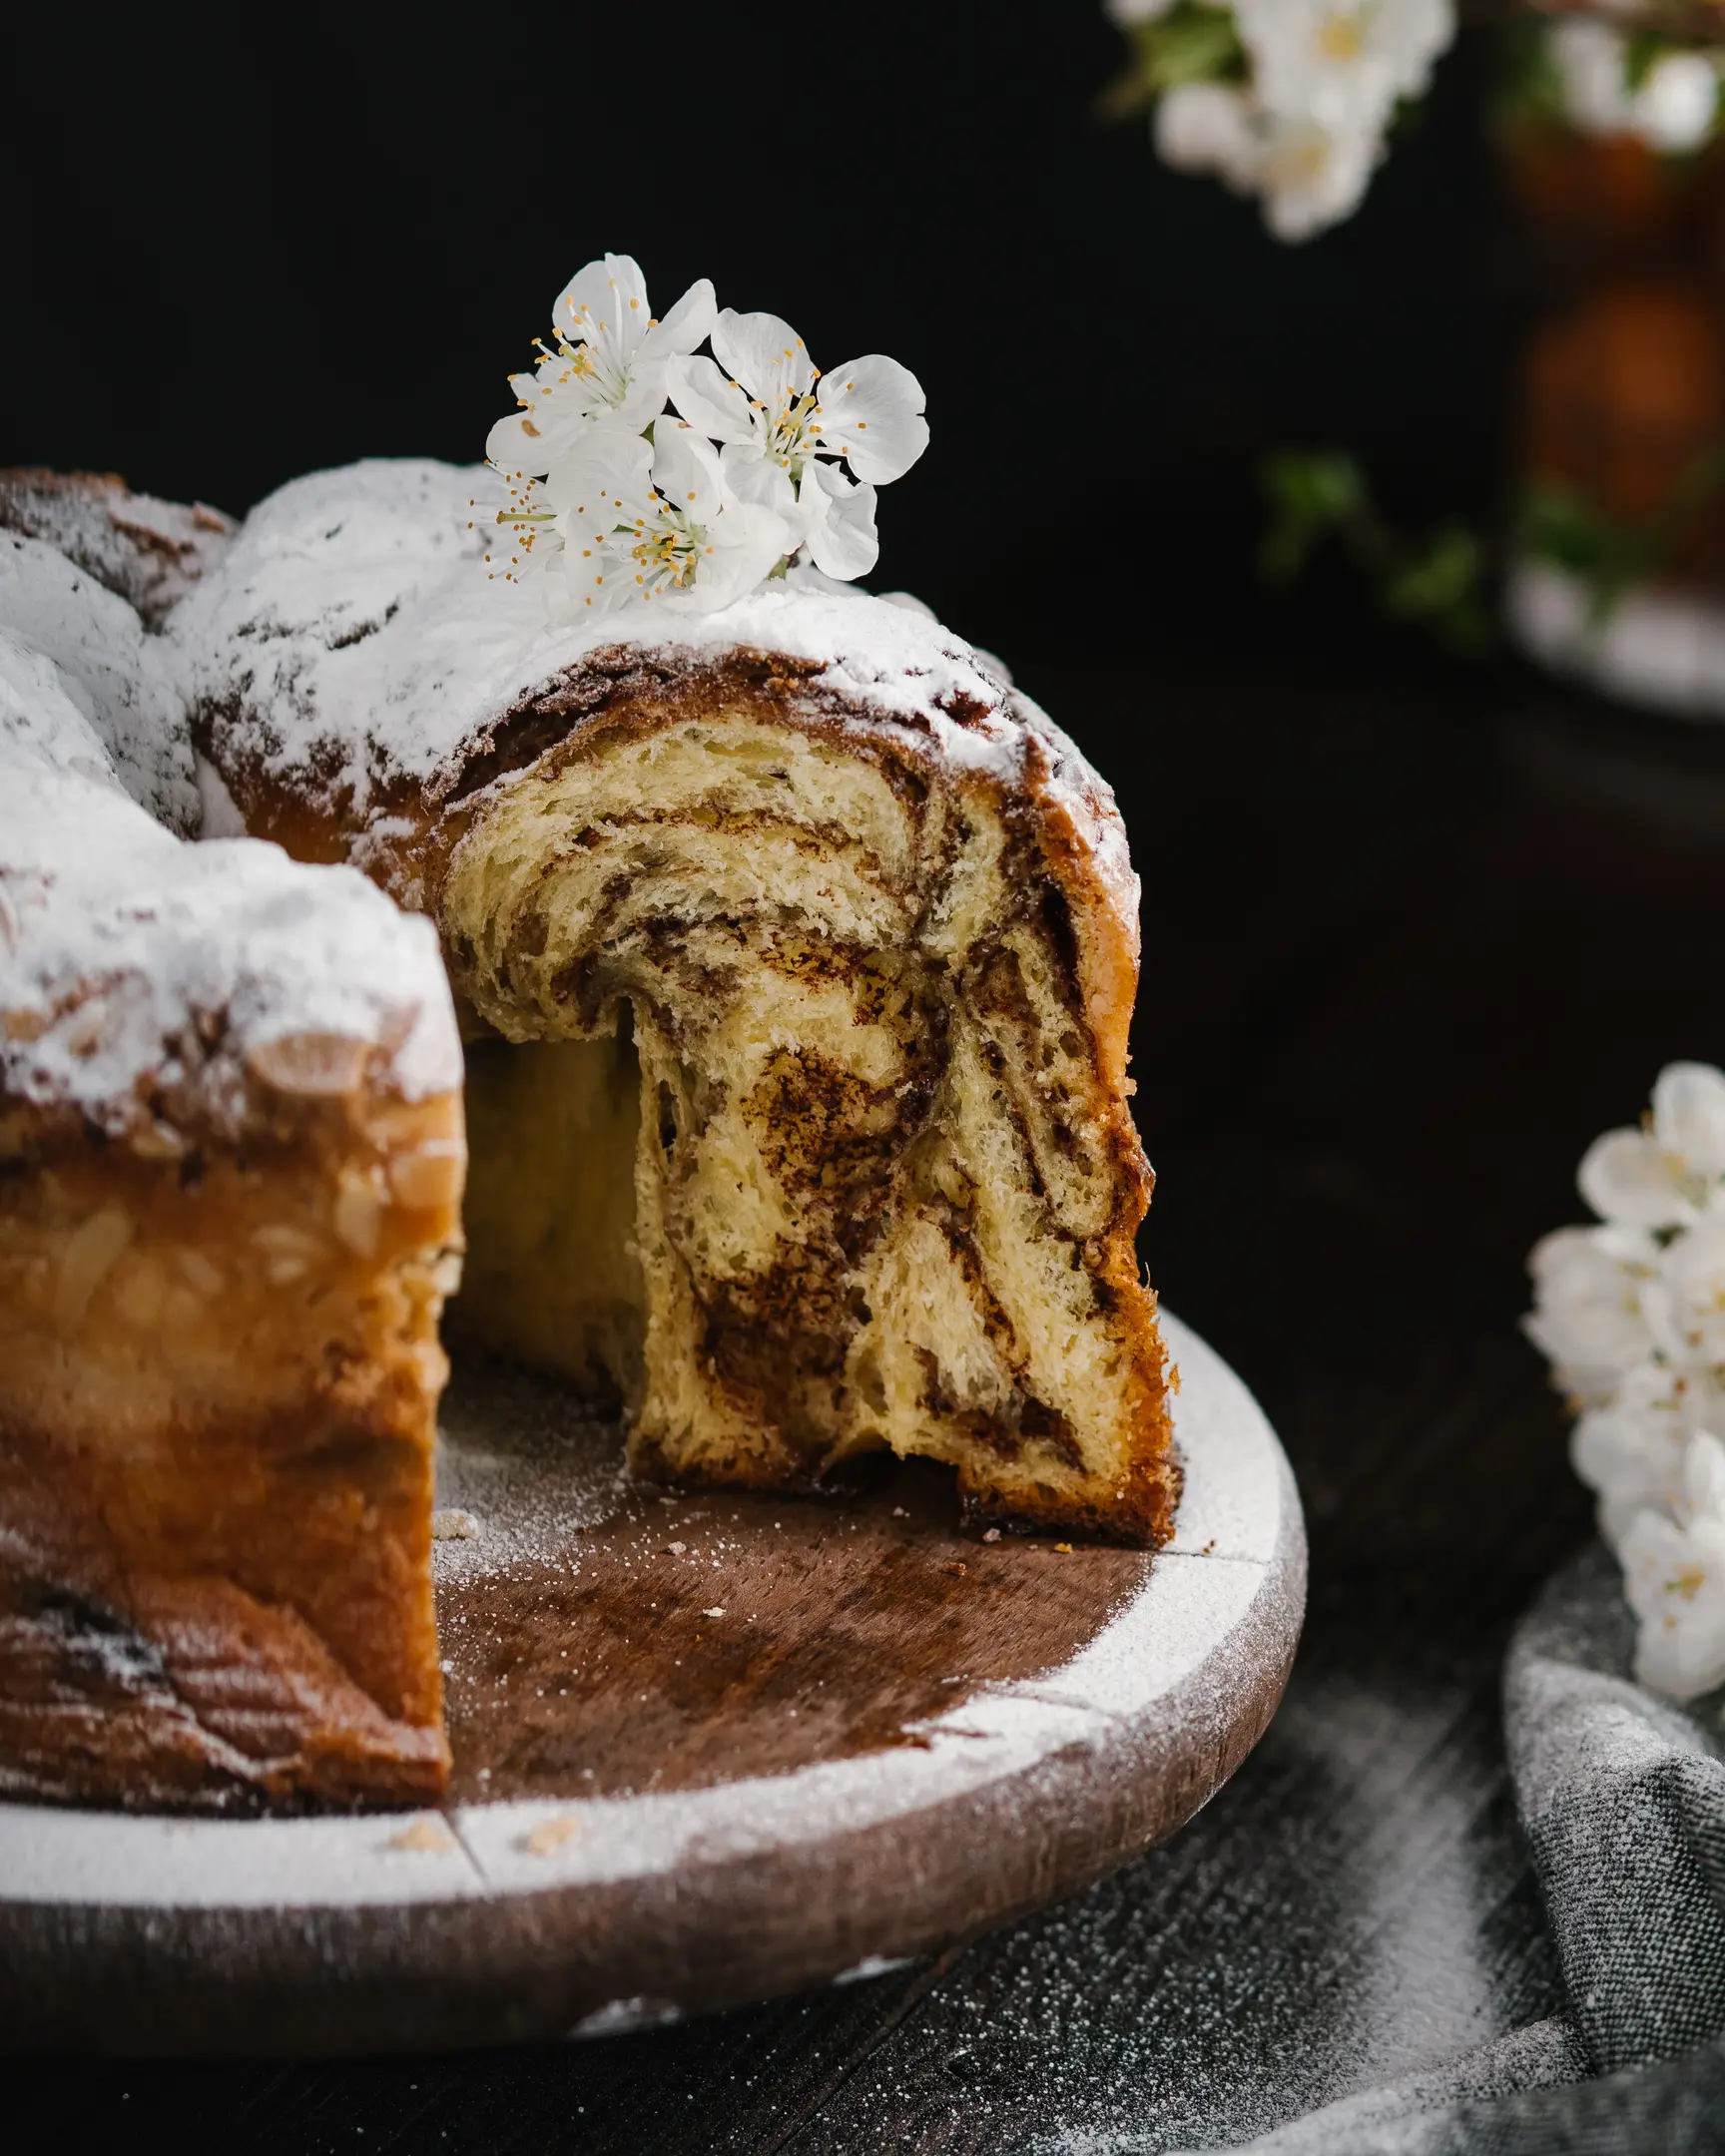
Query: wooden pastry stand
point(708, 1750)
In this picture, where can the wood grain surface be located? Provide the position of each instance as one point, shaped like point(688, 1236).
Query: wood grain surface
point(708, 1750)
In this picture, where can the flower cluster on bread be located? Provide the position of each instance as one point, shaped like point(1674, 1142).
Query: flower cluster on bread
point(640, 469)
point(1631, 1314)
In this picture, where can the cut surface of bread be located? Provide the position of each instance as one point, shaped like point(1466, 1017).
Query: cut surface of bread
point(795, 909)
point(884, 1198)
point(795, 957)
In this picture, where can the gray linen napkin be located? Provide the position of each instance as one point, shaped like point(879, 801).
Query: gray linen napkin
point(1622, 1798)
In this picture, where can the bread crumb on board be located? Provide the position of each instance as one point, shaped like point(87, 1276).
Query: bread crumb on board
point(429, 1837)
point(551, 1834)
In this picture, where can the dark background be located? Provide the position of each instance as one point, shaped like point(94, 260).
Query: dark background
point(234, 258)
point(1414, 931)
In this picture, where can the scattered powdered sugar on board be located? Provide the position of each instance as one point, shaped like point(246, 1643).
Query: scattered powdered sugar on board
point(498, 1431)
point(1024, 1788)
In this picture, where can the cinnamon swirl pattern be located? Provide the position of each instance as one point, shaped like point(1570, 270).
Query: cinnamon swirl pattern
point(796, 955)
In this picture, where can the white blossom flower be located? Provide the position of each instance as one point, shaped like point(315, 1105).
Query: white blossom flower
point(1128, 12)
point(656, 521)
point(1210, 127)
point(1673, 107)
point(1341, 64)
point(1312, 175)
point(761, 400)
point(609, 361)
point(517, 518)
point(1667, 1175)
point(1309, 172)
point(1631, 1452)
point(763, 472)
point(1589, 1319)
point(1674, 1577)
point(1685, 1303)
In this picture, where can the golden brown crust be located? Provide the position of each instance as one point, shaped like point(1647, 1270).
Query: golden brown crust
point(218, 1384)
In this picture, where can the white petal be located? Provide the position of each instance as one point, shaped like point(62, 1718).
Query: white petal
point(707, 401)
point(1691, 1291)
point(1704, 1476)
point(597, 295)
point(609, 306)
point(842, 539)
point(604, 481)
point(643, 400)
point(1689, 1115)
point(754, 478)
point(1625, 1455)
point(1625, 1177)
point(764, 354)
point(872, 415)
point(1208, 127)
point(747, 542)
point(513, 449)
point(1312, 175)
point(1679, 105)
point(686, 470)
point(1681, 1659)
point(690, 323)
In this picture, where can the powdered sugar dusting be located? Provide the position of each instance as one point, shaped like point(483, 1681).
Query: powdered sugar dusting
point(110, 669)
point(132, 963)
point(352, 636)
point(150, 552)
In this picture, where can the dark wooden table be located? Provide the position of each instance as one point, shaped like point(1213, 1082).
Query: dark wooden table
point(1410, 943)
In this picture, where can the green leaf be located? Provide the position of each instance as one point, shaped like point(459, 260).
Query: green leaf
point(1311, 493)
point(1439, 582)
point(1642, 52)
point(1556, 523)
point(1194, 42)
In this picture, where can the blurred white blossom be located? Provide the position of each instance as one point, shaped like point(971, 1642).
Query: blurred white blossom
point(1630, 1450)
point(1342, 65)
point(1314, 175)
point(1208, 127)
point(1674, 1577)
point(1298, 110)
point(1668, 1172)
point(1672, 108)
point(1588, 1317)
point(1631, 1315)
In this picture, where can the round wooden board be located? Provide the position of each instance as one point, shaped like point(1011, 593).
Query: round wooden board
point(708, 1749)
